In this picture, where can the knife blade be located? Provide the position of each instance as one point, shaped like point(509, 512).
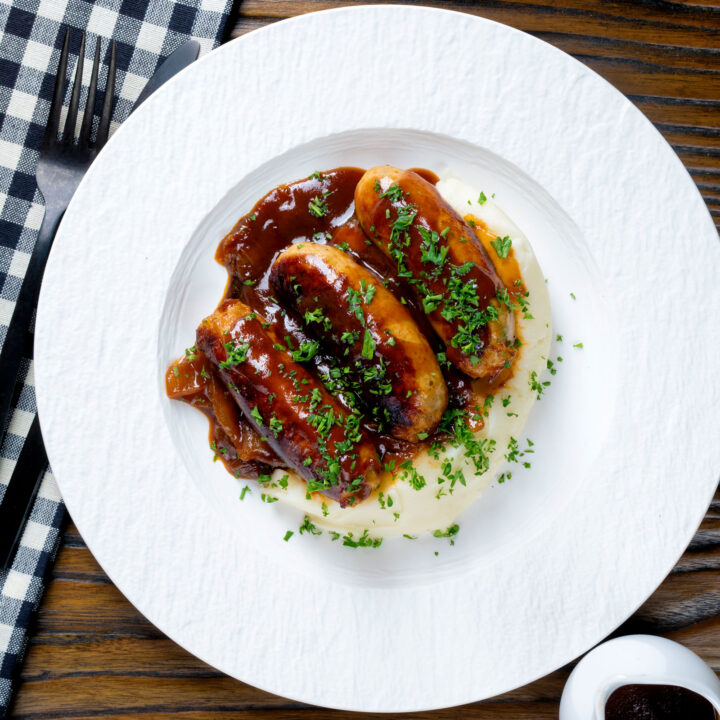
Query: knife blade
point(178, 60)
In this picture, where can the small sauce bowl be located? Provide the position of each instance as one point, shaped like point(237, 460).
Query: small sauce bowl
point(634, 660)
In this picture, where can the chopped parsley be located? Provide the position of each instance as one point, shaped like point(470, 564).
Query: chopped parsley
point(316, 316)
point(450, 532)
point(367, 291)
point(462, 307)
point(515, 454)
point(307, 351)
point(354, 300)
point(455, 423)
point(236, 354)
point(416, 481)
point(398, 236)
point(350, 337)
point(318, 207)
point(502, 246)
point(535, 384)
point(368, 348)
point(393, 193)
point(431, 251)
point(363, 540)
point(275, 426)
point(513, 450)
point(309, 527)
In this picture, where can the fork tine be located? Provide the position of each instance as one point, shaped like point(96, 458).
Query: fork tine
point(84, 141)
point(71, 120)
point(53, 123)
point(104, 127)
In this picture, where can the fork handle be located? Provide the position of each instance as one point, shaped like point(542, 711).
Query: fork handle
point(12, 349)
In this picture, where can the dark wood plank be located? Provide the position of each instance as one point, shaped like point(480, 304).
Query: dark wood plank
point(642, 22)
point(93, 655)
point(505, 711)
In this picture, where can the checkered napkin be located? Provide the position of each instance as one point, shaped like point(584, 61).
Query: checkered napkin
point(31, 35)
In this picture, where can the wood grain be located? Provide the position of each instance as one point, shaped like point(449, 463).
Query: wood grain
point(93, 655)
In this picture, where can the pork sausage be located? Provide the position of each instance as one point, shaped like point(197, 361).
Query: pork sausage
point(452, 275)
point(289, 407)
point(369, 331)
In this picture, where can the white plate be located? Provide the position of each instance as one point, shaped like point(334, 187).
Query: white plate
point(545, 565)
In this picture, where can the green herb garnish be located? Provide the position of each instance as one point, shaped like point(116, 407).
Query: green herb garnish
point(307, 351)
point(502, 246)
point(236, 354)
point(368, 348)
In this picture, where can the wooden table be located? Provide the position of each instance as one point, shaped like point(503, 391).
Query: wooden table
point(93, 655)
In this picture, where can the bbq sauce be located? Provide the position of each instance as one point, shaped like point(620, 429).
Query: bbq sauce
point(657, 702)
point(282, 218)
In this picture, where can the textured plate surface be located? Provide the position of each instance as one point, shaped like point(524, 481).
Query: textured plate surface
point(627, 450)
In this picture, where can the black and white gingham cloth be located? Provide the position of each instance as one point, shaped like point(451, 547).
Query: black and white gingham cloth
point(31, 36)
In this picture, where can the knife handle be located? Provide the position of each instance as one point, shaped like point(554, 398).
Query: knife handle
point(18, 500)
point(12, 349)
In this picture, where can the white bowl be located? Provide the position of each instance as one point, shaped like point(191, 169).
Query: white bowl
point(634, 660)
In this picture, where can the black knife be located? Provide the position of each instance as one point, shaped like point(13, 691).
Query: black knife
point(19, 494)
point(17, 502)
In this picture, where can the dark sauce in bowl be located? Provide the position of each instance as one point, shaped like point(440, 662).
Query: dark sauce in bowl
point(657, 702)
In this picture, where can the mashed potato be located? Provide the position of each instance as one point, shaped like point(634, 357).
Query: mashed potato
point(397, 508)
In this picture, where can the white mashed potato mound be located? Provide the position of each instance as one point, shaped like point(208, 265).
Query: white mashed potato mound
point(402, 509)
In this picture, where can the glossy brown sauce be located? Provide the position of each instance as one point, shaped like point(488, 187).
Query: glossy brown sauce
point(508, 270)
point(657, 702)
point(280, 219)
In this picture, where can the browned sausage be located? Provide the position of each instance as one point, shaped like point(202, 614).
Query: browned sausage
point(301, 421)
point(446, 264)
point(194, 379)
point(369, 331)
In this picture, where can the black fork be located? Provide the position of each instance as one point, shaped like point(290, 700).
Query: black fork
point(61, 166)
